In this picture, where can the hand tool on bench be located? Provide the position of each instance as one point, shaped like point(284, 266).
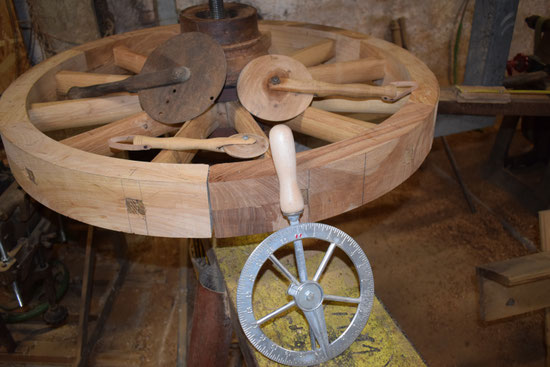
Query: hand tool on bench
point(237, 146)
point(307, 293)
point(277, 88)
point(180, 79)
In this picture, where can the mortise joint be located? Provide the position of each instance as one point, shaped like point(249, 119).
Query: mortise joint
point(135, 206)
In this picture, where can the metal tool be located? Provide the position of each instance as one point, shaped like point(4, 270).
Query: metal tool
point(307, 293)
point(134, 83)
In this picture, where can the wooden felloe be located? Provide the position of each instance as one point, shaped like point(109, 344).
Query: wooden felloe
point(81, 177)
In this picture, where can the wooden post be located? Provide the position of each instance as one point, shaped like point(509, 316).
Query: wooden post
point(544, 223)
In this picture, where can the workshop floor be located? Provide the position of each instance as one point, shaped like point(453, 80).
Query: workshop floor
point(423, 244)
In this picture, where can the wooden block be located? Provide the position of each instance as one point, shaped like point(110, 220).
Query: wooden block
point(519, 270)
point(498, 301)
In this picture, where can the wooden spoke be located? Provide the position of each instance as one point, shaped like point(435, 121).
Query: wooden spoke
point(128, 59)
point(65, 79)
point(243, 121)
point(315, 54)
point(198, 128)
point(355, 71)
point(328, 126)
point(348, 105)
point(96, 140)
point(59, 115)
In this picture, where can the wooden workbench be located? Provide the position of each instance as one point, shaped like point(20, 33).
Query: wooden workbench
point(381, 343)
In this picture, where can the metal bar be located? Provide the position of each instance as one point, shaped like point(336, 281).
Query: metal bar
point(324, 262)
point(276, 312)
point(283, 269)
point(329, 297)
point(457, 174)
point(85, 299)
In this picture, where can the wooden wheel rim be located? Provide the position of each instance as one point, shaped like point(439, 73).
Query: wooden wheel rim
point(195, 200)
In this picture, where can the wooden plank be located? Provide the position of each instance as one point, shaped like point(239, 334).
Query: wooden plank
point(381, 343)
point(243, 122)
point(316, 53)
point(498, 301)
point(197, 128)
point(66, 79)
point(520, 105)
point(59, 115)
point(97, 140)
point(519, 270)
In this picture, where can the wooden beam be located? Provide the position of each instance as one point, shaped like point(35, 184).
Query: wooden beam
point(348, 105)
point(328, 126)
point(128, 59)
point(198, 128)
point(544, 223)
point(96, 140)
point(66, 79)
point(59, 115)
point(355, 71)
point(243, 121)
point(316, 53)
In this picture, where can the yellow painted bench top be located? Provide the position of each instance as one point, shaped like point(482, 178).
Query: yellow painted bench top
point(381, 343)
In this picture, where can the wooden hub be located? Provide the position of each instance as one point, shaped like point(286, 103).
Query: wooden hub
point(238, 33)
point(353, 161)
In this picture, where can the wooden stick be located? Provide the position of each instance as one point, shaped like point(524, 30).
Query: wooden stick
point(128, 59)
point(199, 128)
point(356, 71)
point(322, 89)
point(328, 126)
point(374, 106)
point(66, 79)
point(96, 140)
point(544, 223)
point(243, 121)
point(59, 115)
point(315, 54)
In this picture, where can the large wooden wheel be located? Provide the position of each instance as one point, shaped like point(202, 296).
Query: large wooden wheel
point(79, 177)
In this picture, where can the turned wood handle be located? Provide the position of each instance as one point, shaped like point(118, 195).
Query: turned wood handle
point(180, 143)
point(323, 89)
point(134, 83)
point(284, 158)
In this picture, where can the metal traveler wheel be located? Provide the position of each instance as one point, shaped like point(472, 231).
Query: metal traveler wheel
point(308, 296)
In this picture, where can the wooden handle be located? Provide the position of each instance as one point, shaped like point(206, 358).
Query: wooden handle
point(284, 158)
point(128, 59)
point(134, 83)
point(180, 143)
point(323, 89)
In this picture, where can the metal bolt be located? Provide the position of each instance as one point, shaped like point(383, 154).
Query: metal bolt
point(217, 10)
point(309, 295)
point(275, 80)
point(245, 137)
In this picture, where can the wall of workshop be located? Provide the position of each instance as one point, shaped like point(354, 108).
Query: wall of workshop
point(430, 24)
